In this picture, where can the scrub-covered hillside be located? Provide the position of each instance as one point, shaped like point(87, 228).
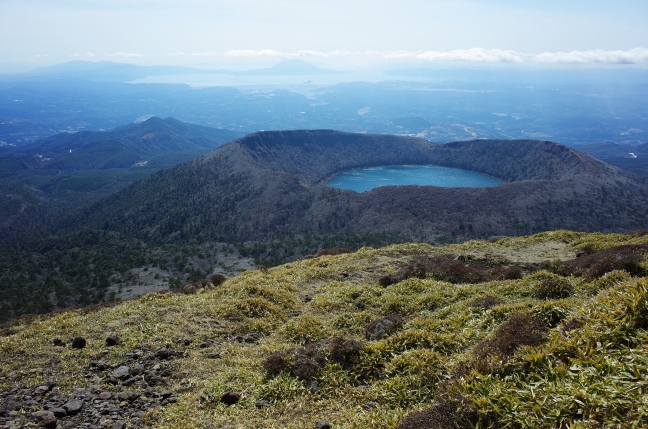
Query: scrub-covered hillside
point(518, 333)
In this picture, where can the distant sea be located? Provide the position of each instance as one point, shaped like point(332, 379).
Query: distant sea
point(205, 80)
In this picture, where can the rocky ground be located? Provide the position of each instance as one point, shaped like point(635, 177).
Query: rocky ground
point(137, 384)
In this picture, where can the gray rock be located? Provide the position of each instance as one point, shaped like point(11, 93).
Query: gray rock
point(163, 353)
point(382, 327)
point(73, 406)
point(40, 390)
point(252, 337)
point(166, 393)
point(313, 386)
point(122, 372)
point(119, 424)
point(111, 380)
point(105, 395)
point(59, 412)
point(322, 424)
point(137, 369)
point(370, 405)
point(46, 418)
point(262, 403)
point(128, 395)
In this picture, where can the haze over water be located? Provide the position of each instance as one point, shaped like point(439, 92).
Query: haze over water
point(401, 175)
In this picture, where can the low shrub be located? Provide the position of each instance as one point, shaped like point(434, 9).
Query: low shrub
point(560, 268)
point(485, 302)
point(351, 322)
point(446, 413)
point(628, 257)
point(217, 279)
point(257, 307)
point(189, 288)
point(573, 324)
point(305, 362)
point(276, 363)
point(304, 329)
point(521, 329)
point(441, 268)
point(415, 269)
point(512, 272)
point(454, 271)
point(304, 367)
point(607, 281)
point(422, 362)
point(336, 251)
point(553, 288)
point(345, 352)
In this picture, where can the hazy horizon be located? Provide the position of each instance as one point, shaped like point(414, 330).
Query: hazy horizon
point(349, 35)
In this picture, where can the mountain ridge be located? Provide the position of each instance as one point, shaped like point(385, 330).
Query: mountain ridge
point(57, 174)
point(251, 191)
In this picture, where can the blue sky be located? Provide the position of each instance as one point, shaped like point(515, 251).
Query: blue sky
point(337, 33)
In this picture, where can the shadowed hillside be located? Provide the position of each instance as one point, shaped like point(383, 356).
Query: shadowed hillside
point(41, 181)
point(125, 146)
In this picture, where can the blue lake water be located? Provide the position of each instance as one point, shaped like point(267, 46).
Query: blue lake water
point(399, 175)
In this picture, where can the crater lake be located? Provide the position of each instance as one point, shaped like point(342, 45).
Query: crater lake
point(399, 175)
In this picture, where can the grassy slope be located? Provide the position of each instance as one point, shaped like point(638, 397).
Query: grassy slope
point(596, 373)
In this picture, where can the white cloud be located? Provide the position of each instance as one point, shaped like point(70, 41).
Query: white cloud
point(631, 56)
point(475, 54)
point(599, 56)
point(123, 55)
point(253, 53)
point(194, 54)
point(87, 54)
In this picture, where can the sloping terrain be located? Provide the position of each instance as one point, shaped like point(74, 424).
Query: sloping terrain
point(270, 184)
point(516, 333)
point(630, 158)
point(67, 171)
point(125, 146)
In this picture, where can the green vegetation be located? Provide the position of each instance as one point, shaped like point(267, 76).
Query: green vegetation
point(78, 269)
point(558, 346)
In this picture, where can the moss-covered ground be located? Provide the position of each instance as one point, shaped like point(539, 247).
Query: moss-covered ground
point(589, 370)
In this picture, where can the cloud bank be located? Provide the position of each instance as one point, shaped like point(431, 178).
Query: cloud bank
point(632, 56)
point(598, 56)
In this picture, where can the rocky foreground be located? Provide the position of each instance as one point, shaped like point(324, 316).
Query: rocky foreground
point(541, 331)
